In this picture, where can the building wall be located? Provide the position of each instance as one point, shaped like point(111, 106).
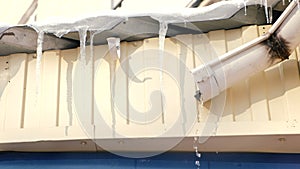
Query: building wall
point(44, 105)
point(12, 11)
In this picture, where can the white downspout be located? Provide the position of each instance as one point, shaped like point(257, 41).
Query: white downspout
point(255, 56)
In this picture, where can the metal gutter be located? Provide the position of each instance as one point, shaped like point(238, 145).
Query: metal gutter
point(257, 55)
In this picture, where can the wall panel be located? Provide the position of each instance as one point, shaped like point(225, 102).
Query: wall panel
point(266, 103)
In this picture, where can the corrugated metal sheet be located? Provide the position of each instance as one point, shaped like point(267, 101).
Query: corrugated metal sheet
point(22, 39)
point(265, 104)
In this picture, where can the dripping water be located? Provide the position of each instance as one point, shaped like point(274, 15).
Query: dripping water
point(197, 153)
point(162, 36)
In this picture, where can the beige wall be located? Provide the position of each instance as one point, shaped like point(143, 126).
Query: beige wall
point(13, 10)
point(265, 104)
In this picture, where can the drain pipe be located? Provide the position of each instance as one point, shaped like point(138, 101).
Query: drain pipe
point(274, 46)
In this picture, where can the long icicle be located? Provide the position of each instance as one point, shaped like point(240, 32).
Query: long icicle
point(162, 36)
point(39, 55)
point(266, 11)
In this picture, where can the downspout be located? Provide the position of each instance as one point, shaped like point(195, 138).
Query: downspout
point(274, 46)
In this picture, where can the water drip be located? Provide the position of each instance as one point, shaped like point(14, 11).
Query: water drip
point(197, 163)
point(197, 153)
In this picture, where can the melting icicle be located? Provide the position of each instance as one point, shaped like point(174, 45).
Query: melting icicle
point(283, 2)
point(92, 35)
point(114, 50)
point(270, 14)
point(266, 11)
point(114, 47)
point(163, 28)
point(245, 6)
point(39, 55)
point(61, 33)
point(82, 35)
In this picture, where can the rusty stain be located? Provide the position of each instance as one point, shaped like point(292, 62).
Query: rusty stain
point(278, 47)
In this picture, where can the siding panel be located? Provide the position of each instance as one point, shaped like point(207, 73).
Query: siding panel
point(239, 92)
point(67, 116)
point(257, 83)
point(269, 96)
point(4, 77)
point(15, 88)
point(31, 113)
point(49, 89)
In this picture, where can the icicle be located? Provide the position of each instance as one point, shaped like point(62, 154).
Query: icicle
point(114, 47)
point(114, 51)
point(61, 33)
point(39, 55)
point(163, 28)
point(283, 2)
point(92, 35)
point(245, 6)
point(270, 14)
point(82, 35)
point(266, 11)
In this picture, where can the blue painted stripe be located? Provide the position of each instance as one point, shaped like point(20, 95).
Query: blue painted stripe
point(15, 160)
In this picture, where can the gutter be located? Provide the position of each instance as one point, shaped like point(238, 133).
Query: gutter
point(257, 55)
